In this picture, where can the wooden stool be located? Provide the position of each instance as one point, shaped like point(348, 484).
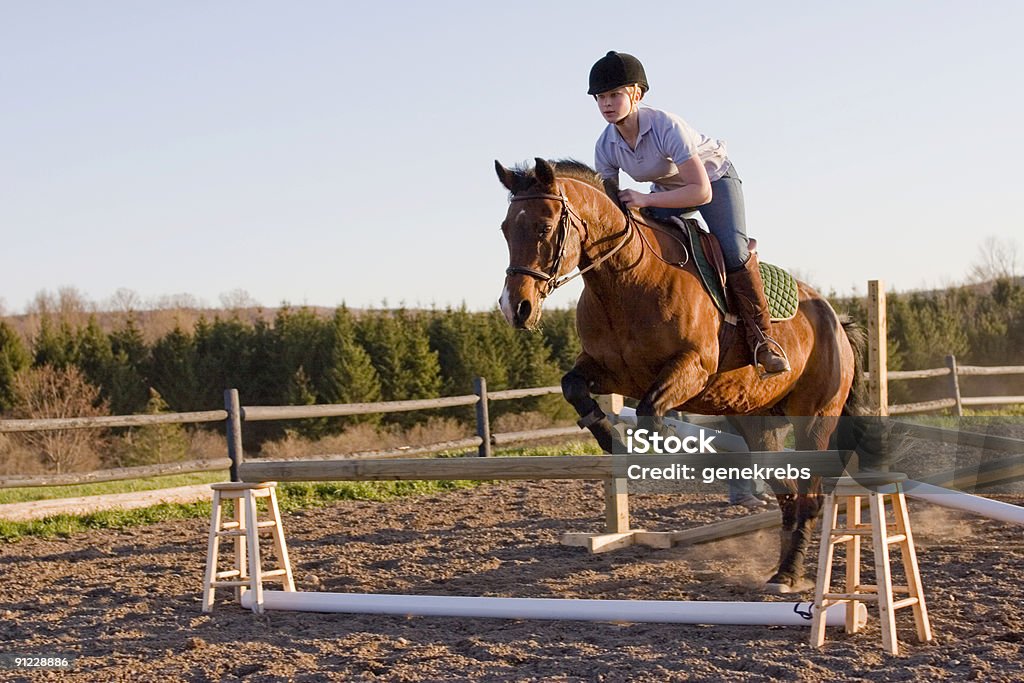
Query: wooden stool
point(849, 490)
point(247, 573)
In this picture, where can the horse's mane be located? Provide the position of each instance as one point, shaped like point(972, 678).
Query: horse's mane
point(565, 168)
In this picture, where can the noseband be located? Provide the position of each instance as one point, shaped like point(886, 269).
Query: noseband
point(565, 219)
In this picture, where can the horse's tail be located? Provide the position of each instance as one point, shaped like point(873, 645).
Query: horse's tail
point(858, 338)
point(858, 429)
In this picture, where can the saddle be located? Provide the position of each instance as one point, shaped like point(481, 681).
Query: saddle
point(780, 287)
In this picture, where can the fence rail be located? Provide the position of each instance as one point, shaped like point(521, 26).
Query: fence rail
point(234, 415)
point(956, 400)
point(878, 375)
point(186, 467)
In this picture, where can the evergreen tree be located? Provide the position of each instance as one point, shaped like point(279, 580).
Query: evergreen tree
point(223, 354)
point(93, 356)
point(399, 346)
point(128, 387)
point(173, 371)
point(528, 363)
point(559, 330)
point(466, 350)
point(350, 376)
point(14, 358)
point(155, 444)
point(54, 345)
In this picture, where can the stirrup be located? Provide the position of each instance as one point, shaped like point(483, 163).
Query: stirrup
point(761, 369)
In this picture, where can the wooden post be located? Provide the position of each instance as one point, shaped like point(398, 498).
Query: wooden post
point(954, 384)
point(616, 491)
point(234, 431)
point(610, 403)
point(483, 421)
point(878, 385)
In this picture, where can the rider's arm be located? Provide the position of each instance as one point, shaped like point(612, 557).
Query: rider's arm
point(695, 191)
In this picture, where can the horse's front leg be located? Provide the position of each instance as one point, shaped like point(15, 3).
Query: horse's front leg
point(577, 385)
point(679, 380)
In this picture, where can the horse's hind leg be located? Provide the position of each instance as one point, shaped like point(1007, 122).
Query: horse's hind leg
point(767, 433)
point(576, 388)
point(800, 507)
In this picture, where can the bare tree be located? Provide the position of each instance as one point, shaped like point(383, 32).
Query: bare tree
point(238, 300)
point(46, 392)
point(181, 302)
point(125, 300)
point(997, 259)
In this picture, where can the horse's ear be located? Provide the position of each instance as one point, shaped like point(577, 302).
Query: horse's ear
point(507, 177)
point(545, 174)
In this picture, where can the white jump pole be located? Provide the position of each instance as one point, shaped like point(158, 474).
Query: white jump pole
point(958, 500)
point(632, 611)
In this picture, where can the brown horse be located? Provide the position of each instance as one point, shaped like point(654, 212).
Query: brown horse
point(650, 331)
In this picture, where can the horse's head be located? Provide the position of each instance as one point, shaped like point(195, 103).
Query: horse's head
point(543, 235)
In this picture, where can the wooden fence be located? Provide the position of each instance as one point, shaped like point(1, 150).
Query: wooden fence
point(234, 415)
point(877, 361)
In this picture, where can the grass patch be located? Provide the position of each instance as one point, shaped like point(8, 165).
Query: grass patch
point(28, 494)
point(570, 448)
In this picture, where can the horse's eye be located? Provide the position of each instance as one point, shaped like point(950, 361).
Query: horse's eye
point(544, 229)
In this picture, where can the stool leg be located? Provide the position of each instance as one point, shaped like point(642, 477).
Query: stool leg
point(252, 537)
point(852, 562)
point(212, 551)
point(280, 548)
point(828, 524)
point(241, 564)
point(883, 575)
point(910, 567)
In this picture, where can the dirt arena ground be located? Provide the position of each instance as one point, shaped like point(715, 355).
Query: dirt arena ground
point(126, 603)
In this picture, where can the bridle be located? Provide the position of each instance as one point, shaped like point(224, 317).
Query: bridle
point(566, 217)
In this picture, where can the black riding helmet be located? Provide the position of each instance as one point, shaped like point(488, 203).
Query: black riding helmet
point(615, 70)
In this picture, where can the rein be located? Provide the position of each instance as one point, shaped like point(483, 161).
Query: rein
point(552, 280)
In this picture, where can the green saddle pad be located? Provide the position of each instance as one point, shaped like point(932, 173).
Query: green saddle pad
point(779, 285)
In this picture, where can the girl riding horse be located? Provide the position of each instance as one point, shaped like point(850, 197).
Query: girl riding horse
point(686, 169)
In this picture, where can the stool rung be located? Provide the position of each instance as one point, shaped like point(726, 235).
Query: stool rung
point(241, 532)
point(896, 538)
point(851, 596)
point(905, 602)
point(228, 574)
point(274, 572)
point(874, 589)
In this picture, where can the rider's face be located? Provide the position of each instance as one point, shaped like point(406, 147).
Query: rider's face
point(617, 104)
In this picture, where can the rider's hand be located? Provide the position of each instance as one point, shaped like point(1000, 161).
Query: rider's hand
point(633, 199)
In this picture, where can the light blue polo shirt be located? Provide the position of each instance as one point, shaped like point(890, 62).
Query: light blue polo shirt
point(664, 140)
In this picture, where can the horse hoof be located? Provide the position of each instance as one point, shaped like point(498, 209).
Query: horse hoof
point(778, 588)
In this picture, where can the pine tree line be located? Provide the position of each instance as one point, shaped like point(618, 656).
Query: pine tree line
point(301, 358)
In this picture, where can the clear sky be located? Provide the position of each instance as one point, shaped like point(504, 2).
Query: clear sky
point(320, 152)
